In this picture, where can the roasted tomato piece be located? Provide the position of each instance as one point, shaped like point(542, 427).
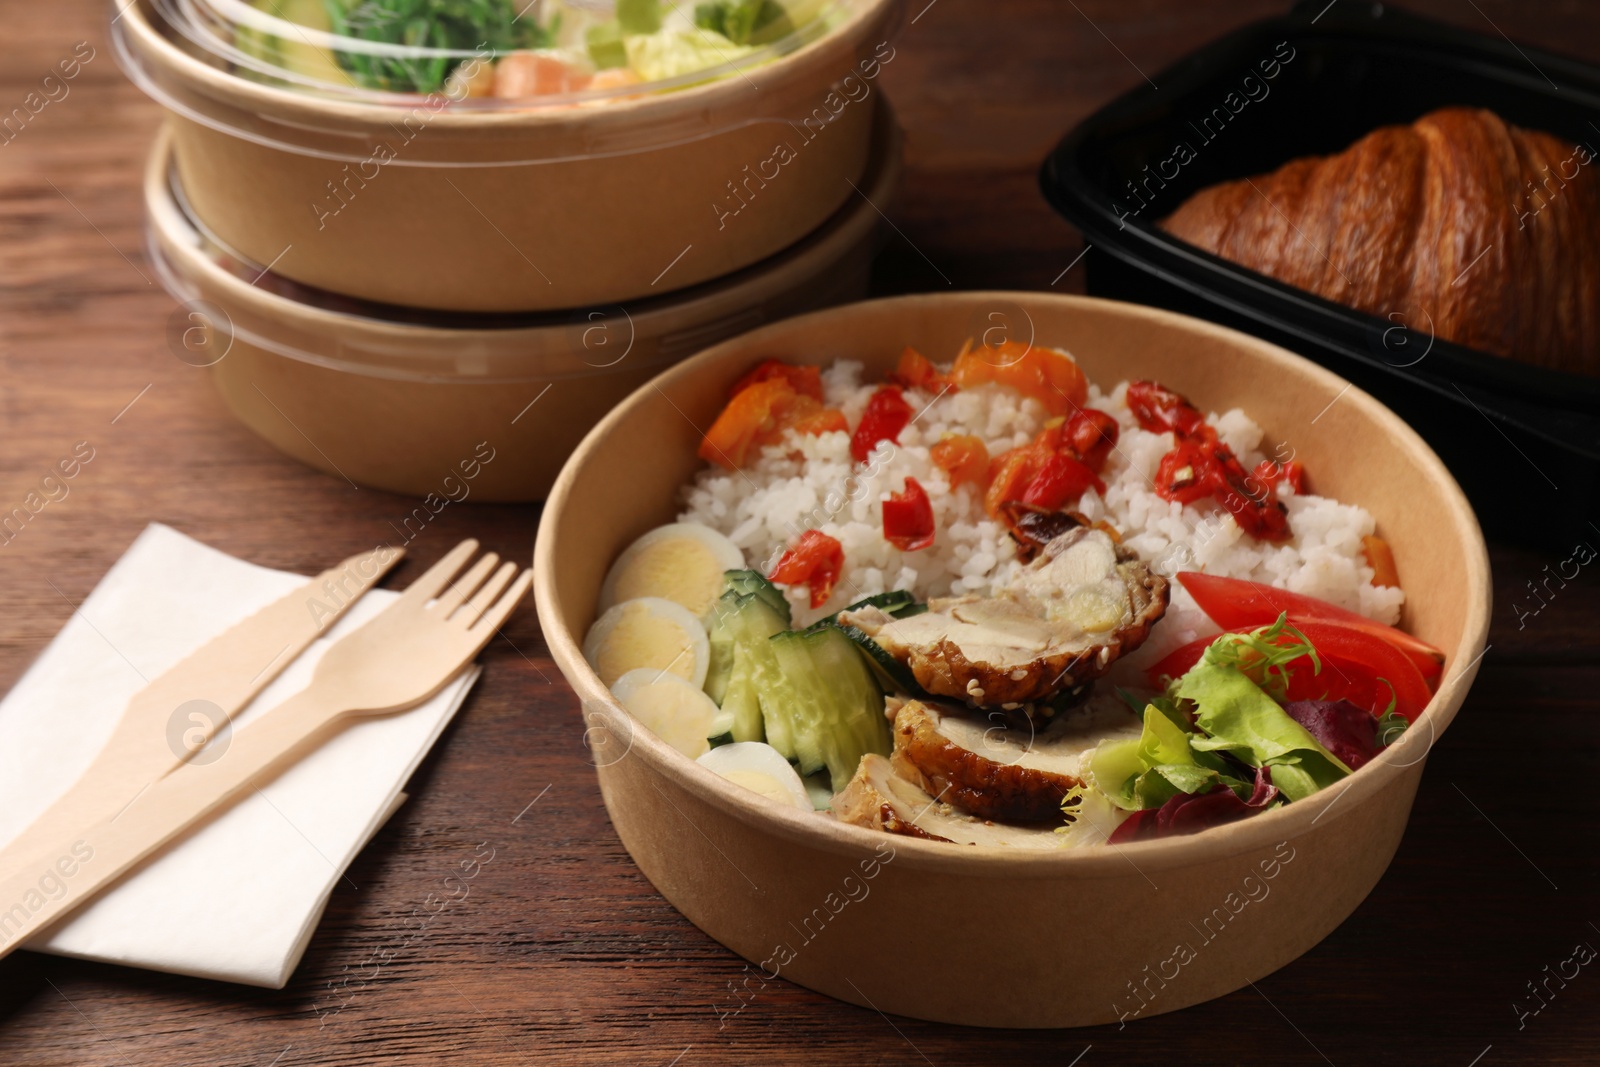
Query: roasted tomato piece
point(807, 381)
point(1010, 474)
point(915, 371)
point(1184, 474)
point(753, 417)
point(758, 415)
point(963, 457)
point(1048, 376)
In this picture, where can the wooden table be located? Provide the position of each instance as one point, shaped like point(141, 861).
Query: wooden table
point(562, 952)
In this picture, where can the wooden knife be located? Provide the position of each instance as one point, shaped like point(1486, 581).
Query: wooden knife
point(169, 721)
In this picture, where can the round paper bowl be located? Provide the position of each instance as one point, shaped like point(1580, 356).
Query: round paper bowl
point(988, 936)
point(409, 401)
point(473, 208)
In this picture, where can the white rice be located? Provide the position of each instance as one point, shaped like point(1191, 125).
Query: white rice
point(811, 482)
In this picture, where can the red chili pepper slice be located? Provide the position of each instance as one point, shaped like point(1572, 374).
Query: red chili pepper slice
point(1271, 472)
point(1060, 480)
point(1201, 465)
point(815, 561)
point(1092, 434)
point(886, 415)
point(1254, 506)
point(1160, 410)
point(1184, 474)
point(908, 518)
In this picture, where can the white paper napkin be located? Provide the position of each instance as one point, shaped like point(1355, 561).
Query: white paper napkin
point(238, 899)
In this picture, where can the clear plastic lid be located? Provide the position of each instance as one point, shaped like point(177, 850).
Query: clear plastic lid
point(495, 53)
point(589, 77)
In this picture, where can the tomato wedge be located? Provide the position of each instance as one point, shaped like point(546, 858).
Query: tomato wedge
point(908, 518)
point(1343, 645)
point(1235, 604)
point(1357, 667)
point(815, 562)
point(886, 415)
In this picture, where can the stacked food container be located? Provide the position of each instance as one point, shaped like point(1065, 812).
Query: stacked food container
point(408, 235)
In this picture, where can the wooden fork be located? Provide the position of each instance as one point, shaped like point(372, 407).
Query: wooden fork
point(397, 660)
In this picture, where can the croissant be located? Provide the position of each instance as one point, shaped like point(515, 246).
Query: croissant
point(1460, 226)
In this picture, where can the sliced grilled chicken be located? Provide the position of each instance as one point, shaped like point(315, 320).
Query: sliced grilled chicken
point(996, 771)
point(879, 799)
point(1079, 605)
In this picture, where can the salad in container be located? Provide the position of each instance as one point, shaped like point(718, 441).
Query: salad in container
point(485, 155)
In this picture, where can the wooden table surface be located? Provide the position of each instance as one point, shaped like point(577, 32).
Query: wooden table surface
point(562, 952)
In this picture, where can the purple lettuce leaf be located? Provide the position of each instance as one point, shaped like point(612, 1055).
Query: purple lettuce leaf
point(1189, 813)
point(1347, 731)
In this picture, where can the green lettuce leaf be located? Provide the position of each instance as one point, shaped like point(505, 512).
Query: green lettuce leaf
point(1240, 718)
point(670, 53)
point(1149, 770)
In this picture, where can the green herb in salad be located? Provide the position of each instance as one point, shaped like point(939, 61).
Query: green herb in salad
point(1263, 655)
point(484, 26)
point(638, 16)
point(744, 21)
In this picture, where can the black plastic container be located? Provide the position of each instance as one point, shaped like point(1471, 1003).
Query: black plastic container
point(1524, 441)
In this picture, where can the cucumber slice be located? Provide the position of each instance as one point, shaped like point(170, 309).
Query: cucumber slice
point(752, 582)
point(894, 676)
point(820, 790)
point(719, 653)
point(720, 732)
point(830, 699)
point(738, 657)
point(897, 603)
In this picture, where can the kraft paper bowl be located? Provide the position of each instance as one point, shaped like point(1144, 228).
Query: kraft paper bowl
point(400, 400)
point(469, 207)
point(986, 936)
